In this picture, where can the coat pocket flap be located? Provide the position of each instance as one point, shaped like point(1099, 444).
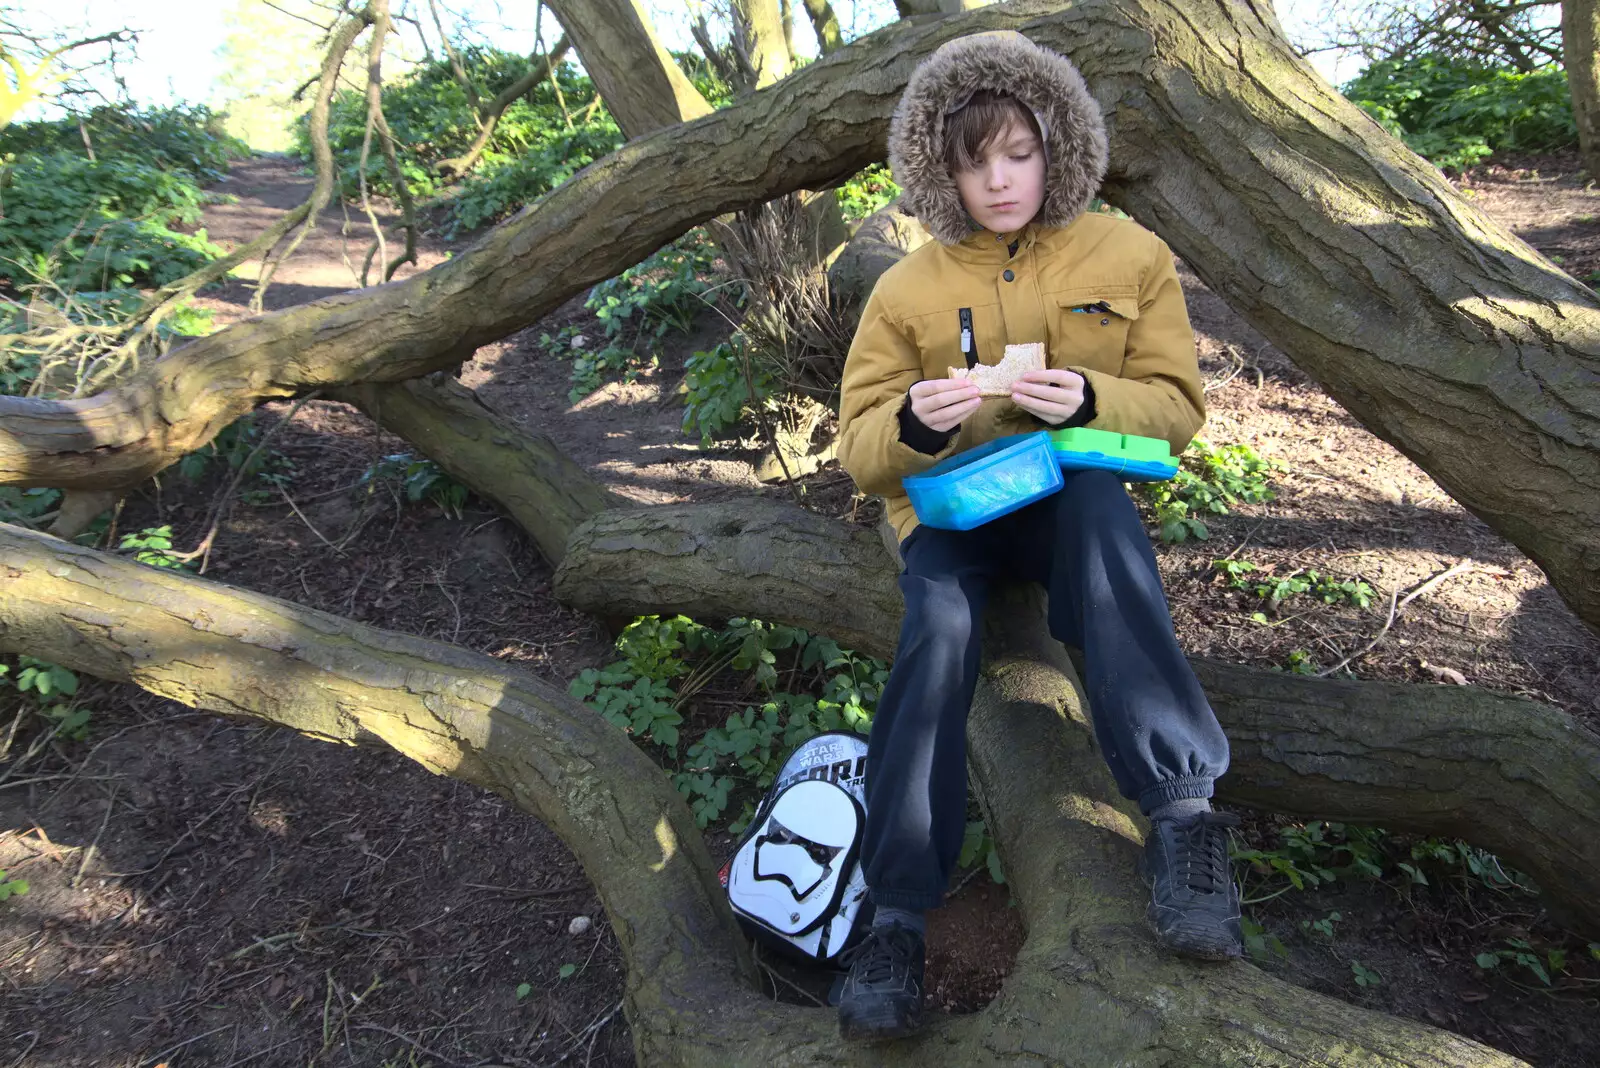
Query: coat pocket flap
point(1123, 301)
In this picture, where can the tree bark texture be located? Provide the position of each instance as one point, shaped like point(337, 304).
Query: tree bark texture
point(1090, 987)
point(1440, 331)
point(1580, 47)
point(826, 25)
point(759, 24)
point(640, 83)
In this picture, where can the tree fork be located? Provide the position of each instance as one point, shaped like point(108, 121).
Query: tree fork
point(1090, 987)
point(1513, 776)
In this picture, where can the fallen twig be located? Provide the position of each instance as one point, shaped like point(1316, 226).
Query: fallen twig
point(203, 550)
point(88, 854)
point(1395, 607)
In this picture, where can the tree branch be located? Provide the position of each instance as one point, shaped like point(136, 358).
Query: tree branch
point(378, 11)
point(322, 190)
point(1516, 777)
point(540, 68)
point(1090, 986)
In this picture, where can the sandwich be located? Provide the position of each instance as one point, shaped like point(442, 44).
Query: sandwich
point(994, 380)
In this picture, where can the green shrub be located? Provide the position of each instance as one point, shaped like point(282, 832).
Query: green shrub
point(532, 150)
point(503, 185)
point(183, 138)
point(50, 691)
point(636, 309)
point(1457, 113)
point(1210, 478)
point(665, 662)
point(153, 546)
point(111, 220)
point(419, 478)
point(26, 505)
point(718, 390)
point(1275, 589)
point(98, 225)
point(867, 191)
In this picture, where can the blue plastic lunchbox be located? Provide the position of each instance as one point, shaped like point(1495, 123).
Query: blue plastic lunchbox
point(984, 483)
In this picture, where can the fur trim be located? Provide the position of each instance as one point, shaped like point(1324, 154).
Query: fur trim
point(1008, 62)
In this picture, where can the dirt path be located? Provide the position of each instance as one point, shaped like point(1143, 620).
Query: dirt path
point(329, 260)
point(254, 897)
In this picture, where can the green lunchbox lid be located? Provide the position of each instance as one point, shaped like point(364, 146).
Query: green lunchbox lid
point(1123, 446)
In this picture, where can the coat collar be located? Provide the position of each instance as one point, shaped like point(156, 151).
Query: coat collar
point(987, 246)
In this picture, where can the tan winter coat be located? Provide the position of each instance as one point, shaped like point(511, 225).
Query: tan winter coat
point(1101, 292)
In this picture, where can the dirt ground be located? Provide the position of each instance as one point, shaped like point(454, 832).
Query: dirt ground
point(213, 892)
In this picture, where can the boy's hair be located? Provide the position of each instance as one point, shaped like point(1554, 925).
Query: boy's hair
point(970, 129)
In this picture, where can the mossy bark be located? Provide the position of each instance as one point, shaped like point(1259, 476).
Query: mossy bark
point(1513, 776)
point(1089, 988)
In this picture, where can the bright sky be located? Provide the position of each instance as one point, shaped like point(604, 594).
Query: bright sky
point(179, 41)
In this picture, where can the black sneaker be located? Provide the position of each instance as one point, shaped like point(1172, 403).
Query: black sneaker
point(1194, 903)
point(882, 995)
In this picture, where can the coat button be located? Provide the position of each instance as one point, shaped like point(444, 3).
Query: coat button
point(1009, 276)
point(1105, 322)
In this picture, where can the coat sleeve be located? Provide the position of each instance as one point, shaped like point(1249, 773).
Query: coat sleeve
point(1159, 393)
point(882, 365)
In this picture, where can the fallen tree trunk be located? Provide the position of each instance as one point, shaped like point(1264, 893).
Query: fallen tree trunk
point(1443, 333)
point(1090, 987)
point(543, 490)
point(1512, 776)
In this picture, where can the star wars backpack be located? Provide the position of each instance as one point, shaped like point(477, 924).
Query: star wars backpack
point(795, 879)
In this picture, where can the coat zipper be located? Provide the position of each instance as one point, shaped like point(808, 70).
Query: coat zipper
point(969, 342)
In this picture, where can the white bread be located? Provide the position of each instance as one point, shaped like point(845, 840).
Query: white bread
point(994, 380)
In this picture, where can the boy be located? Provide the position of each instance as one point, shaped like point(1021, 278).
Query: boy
point(999, 148)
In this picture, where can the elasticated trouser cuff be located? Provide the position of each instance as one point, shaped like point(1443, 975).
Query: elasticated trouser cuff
point(1163, 793)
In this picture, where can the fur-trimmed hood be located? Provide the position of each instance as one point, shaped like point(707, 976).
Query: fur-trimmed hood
point(1003, 60)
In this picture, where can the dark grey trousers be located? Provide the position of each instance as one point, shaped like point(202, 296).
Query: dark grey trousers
point(1088, 548)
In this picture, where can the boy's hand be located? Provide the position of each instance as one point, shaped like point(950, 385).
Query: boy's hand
point(1054, 395)
point(942, 403)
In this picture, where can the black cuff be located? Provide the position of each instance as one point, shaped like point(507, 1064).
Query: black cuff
point(919, 435)
point(1085, 412)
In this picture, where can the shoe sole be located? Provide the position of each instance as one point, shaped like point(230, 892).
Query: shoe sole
point(883, 1026)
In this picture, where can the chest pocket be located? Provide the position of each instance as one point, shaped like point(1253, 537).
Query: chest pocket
point(1089, 326)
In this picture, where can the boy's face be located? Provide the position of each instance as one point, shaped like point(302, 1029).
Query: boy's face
point(1004, 188)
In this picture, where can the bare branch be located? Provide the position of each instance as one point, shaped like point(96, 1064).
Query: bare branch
point(322, 189)
point(456, 67)
point(542, 67)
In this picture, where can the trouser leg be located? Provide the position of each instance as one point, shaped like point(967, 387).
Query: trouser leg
point(917, 750)
point(1153, 723)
